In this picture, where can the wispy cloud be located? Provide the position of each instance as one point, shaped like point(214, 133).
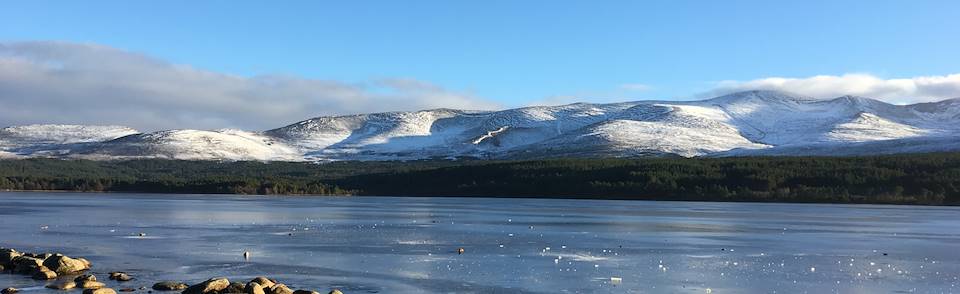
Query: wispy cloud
point(898, 90)
point(60, 82)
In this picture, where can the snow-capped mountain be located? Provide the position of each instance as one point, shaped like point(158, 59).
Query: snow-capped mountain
point(51, 140)
point(745, 123)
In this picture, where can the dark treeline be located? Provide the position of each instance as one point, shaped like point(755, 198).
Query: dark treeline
point(914, 179)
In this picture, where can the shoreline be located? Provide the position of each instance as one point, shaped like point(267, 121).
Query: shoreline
point(60, 272)
point(481, 197)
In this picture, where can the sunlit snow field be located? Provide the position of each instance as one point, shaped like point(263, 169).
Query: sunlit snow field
point(408, 245)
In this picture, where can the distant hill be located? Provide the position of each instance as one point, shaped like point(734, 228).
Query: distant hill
point(739, 124)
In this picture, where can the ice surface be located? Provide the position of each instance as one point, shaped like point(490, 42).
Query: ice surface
point(408, 245)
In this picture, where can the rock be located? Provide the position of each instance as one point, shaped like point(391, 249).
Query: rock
point(2, 268)
point(26, 265)
point(263, 281)
point(253, 288)
point(170, 286)
point(7, 256)
point(99, 291)
point(128, 290)
point(461, 250)
point(91, 284)
point(82, 278)
point(214, 285)
point(120, 276)
point(43, 273)
point(85, 262)
point(235, 287)
point(64, 265)
point(305, 292)
point(9, 290)
point(334, 291)
point(279, 289)
point(63, 286)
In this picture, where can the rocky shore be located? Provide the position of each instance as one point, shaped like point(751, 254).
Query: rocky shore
point(66, 273)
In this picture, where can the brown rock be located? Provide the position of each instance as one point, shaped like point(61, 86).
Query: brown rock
point(43, 273)
point(235, 287)
point(263, 281)
point(25, 264)
point(253, 288)
point(120, 276)
point(99, 291)
point(213, 285)
point(7, 255)
point(334, 291)
point(91, 284)
point(63, 286)
point(9, 290)
point(279, 289)
point(85, 262)
point(82, 278)
point(64, 265)
point(169, 286)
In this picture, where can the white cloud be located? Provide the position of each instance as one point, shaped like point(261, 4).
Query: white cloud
point(902, 90)
point(59, 82)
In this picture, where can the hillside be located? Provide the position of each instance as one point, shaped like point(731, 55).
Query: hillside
point(739, 124)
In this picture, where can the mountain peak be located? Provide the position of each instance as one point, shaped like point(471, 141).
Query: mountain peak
point(761, 95)
point(748, 120)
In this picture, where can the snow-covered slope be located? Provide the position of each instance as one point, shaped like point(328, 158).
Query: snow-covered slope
point(192, 145)
point(746, 123)
point(43, 140)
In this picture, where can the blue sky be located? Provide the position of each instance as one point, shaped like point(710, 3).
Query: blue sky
point(514, 53)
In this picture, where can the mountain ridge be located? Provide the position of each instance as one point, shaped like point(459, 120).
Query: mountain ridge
point(746, 123)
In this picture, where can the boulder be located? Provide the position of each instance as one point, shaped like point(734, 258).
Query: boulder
point(253, 288)
point(91, 284)
point(99, 291)
point(85, 262)
point(120, 276)
point(170, 286)
point(64, 265)
point(334, 291)
point(9, 290)
point(279, 289)
point(26, 265)
point(63, 286)
point(43, 273)
point(7, 256)
point(81, 278)
point(235, 287)
point(263, 281)
point(214, 285)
